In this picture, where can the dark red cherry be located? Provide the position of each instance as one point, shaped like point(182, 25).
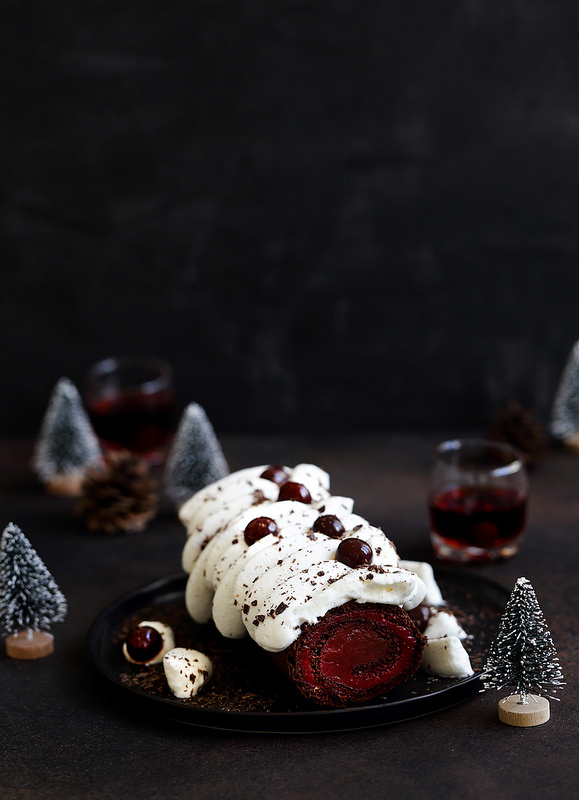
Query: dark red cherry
point(144, 643)
point(275, 473)
point(294, 491)
point(258, 528)
point(329, 525)
point(420, 616)
point(354, 553)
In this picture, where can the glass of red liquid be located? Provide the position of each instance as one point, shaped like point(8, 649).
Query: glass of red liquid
point(131, 403)
point(477, 501)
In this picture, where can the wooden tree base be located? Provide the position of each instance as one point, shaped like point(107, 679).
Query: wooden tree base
point(28, 646)
point(66, 485)
point(524, 715)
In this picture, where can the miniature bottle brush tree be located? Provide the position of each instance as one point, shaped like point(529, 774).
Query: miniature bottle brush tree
point(195, 459)
point(67, 443)
point(523, 656)
point(30, 600)
point(565, 412)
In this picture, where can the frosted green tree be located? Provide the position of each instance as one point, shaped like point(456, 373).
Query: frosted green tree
point(565, 412)
point(29, 596)
point(195, 459)
point(66, 444)
point(523, 655)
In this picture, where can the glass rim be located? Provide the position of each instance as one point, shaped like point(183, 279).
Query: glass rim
point(515, 462)
point(108, 366)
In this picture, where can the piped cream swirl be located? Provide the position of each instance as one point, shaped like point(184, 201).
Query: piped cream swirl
point(214, 506)
point(270, 588)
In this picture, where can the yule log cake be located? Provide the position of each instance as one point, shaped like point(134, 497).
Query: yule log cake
point(271, 554)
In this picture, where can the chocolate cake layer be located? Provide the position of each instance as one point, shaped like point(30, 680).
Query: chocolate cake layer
point(355, 653)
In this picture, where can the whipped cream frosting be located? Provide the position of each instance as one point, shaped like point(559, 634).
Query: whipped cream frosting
point(443, 623)
point(218, 560)
point(444, 654)
point(214, 506)
point(449, 659)
point(306, 581)
point(433, 596)
point(269, 589)
point(446, 658)
point(187, 671)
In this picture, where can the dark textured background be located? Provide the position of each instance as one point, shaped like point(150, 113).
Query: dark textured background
point(345, 215)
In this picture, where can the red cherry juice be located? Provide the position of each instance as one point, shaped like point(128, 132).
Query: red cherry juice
point(136, 421)
point(473, 517)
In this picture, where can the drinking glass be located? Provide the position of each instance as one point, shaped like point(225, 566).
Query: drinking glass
point(477, 501)
point(130, 402)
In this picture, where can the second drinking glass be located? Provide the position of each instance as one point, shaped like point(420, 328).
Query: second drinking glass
point(130, 402)
point(477, 501)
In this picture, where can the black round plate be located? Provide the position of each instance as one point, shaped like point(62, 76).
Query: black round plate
point(269, 703)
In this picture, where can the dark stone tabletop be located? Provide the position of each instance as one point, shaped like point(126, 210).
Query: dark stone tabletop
point(67, 733)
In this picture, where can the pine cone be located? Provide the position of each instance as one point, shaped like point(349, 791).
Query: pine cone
point(120, 496)
point(518, 427)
